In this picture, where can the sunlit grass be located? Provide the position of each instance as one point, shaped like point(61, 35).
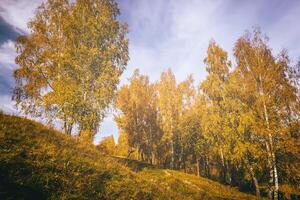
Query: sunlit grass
point(39, 162)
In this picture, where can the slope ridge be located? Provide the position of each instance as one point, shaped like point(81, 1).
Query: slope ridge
point(37, 162)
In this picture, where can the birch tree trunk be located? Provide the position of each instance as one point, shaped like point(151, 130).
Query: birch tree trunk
point(152, 158)
point(275, 179)
point(198, 166)
point(275, 174)
point(223, 170)
point(172, 154)
point(274, 186)
point(271, 180)
point(255, 182)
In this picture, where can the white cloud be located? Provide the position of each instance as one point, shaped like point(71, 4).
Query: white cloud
point(179, 44)
point(7, 105)
point(7, 54)
point(175, 33)
point(18, 12)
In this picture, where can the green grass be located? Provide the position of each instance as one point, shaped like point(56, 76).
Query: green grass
point(37, 162)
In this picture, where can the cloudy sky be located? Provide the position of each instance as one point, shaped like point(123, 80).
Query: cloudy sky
point(166, 34)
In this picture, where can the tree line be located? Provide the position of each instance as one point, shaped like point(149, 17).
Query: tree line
point(239, 125)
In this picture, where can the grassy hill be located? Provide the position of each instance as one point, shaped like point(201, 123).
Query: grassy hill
point(37, 162)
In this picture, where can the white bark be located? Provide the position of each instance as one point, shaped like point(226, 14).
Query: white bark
point(275, 179)
point(198, 166)
point(274, 185)
point(223, 171)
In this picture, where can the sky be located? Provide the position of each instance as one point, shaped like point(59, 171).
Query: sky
point(165, 34)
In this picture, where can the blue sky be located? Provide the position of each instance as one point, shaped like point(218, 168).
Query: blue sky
point(166, 34)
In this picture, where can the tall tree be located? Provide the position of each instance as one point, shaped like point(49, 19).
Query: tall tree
point(243, 147)
point(271, 96)
point(185, 132)
point(70, 63)
point(171, 100)
point(217, 66)
point(203, 148)
point(187, 135)
point(138, 115)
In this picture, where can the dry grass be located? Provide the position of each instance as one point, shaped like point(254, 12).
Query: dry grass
point(41, 163)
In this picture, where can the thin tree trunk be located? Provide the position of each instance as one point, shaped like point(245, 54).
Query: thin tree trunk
point(65, 126)
point(66, 129)
point(276, 189)
point(275, 174)
point(223, 170)
point(152, 158)
point(207, 167)
point(172, 155)
point(142, 156)
point(255, 182)
point(181, 160)
point(228, 174)
point(70, 127)
point(272, 159)
point(138, 153)
point(271, 180)
point(198, 166)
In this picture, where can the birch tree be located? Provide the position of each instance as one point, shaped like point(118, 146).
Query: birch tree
point(173, 98)
point(244, 149)
point(217, 66)
point(70, 63)
point(270, 96)
point(137, 115)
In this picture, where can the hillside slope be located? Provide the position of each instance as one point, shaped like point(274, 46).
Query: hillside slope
point(40, 163)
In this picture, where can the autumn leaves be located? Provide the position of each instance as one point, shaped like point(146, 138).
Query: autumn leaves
point(238, 120)
point(70, 63)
